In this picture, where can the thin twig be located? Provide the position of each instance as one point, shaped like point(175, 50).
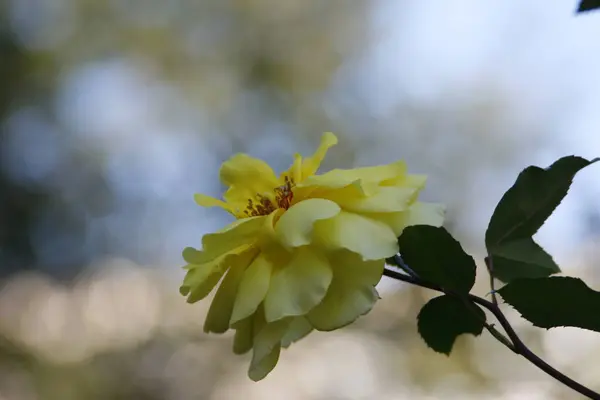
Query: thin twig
point(490, 267)
point(517, 344)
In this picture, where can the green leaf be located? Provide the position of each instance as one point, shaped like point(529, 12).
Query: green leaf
point(532, 199)
point(445, 318)
point(521, 212)
point(588, 5)
point(554, 301)
point(435, 256)
point(522, 258)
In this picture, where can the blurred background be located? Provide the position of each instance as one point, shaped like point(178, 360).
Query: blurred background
point(113, 114)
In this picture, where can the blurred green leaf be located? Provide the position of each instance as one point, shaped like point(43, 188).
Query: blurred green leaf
point(521, 212)
point(444, 318)
point(435, 256)
point(554, 301)
point(588, 5)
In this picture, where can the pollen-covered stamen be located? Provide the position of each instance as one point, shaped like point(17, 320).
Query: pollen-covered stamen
point(265, 206)
point(284, 194)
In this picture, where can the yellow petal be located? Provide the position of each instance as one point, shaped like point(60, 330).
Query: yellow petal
point(295, 226)
point(219, 313)
point(387, 199)
point(297, 287)
point(243, 339)
point(412, 180)
point(299, 328)
point(246, 177)
point(418, 214)
point(267, 345)
point(295, 171)
point(193, 256)
point(241, 232)
point(253, 288)
point(368, 237)
point(351, 294)
point(208, 201)
point(311, 165)
point(426, 214)
point(202, 278)
point(338, 178)
point(260, 369)
point(199, 282)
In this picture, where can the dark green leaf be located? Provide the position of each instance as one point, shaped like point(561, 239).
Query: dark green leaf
point(521, 212)
point(532, 199)
point(437, 257)
point(554, 301)
point(588, 5)
point(522, 258)
point(445, 318)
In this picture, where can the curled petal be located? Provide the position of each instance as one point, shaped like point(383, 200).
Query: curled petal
point(295, 226)
point(370, 238)
point(299, 286)
point(311, 165)
point(351, 294)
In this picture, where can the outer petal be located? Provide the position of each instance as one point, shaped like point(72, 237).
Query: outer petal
point(338, 178)
point(219, 313)
point(200, 281)
point(295, 226)
point(259, 369)
point(299, 286)
point(253, 288)
point(244, 336)
point(368, 237)
point(246, 177)
point(351, 293)
point(201, 278)
point(241, 232)
point(311, 165)
point(410, 180)
point(267, 345)
point(299, 328)
point(387, 199)
point(426, 214)
point(418, 214)
point(193, 256)
point(208, 201)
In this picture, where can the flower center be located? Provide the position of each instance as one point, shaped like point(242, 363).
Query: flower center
point(262, 205)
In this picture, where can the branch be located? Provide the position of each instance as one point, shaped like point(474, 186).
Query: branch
point(490, 267)
point(517, 344)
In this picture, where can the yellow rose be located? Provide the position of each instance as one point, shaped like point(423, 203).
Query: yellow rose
point(305, 252)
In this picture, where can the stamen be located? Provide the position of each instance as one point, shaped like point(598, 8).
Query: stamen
point(264, 205)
